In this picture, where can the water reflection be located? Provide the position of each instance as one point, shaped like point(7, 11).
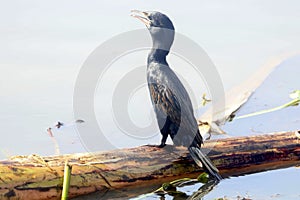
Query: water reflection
point(204, 190)
point(197, 195)
point(282, 184)
point(171, 191)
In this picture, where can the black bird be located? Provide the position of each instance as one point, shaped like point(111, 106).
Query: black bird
point(59, 124)
point(171, 102)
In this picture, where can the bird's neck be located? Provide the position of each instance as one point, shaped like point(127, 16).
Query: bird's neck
point(158, 56)
point(161, 45)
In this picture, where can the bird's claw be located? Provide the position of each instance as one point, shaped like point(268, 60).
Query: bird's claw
point(161, 146)
point(157, 146)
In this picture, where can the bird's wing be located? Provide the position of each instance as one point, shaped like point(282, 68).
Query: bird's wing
point(172, 116)
point(172, 104)
point(166, 104)
point(181, 94)
point(188, 124)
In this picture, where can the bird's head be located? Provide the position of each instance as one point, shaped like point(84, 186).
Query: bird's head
point(159, 25)
point(153, 19)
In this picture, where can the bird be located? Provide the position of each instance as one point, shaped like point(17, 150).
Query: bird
point(171, 102)
point(59, 124)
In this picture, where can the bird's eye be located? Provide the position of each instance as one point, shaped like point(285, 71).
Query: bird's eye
point(150, 17)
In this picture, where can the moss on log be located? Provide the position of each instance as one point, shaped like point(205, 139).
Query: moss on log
point(41, 177)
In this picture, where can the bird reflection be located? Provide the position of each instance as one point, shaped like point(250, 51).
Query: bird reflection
point(198, 195)
point(204, 190)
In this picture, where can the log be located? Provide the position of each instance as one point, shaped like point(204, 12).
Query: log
point(41, 177)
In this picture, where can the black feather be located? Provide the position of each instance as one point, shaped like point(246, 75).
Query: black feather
point(171, 102)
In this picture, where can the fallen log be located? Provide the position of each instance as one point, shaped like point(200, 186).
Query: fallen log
point(38, 177)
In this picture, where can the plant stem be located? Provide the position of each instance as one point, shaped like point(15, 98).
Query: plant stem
point(67, 178)
point(294, 102)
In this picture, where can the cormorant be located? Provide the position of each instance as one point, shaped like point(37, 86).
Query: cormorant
point(171, 102)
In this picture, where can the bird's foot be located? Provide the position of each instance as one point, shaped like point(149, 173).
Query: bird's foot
point(157, 146)
point(161, 145)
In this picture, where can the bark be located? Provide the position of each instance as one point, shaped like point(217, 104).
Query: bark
point(38, 177)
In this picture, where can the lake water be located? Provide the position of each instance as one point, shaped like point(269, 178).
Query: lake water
point(44, 45)
point(278, 184)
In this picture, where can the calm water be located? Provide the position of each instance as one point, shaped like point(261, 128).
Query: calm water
point(26, 117)
point(44, 44)
point(278, 184)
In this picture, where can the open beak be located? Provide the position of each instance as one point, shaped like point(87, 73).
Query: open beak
point(143, 16)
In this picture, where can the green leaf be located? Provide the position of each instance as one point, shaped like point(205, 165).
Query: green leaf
point(203, 178)
point(168, 187)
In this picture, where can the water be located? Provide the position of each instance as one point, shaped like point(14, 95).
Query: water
point(278, 184)
point(252, 187)
point(44, 44)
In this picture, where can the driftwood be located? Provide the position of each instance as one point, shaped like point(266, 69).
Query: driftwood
point(36, 177)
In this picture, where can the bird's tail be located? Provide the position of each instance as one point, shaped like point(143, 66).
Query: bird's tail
point(203, 161)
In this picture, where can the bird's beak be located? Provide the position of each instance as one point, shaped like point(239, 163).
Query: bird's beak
point(143, 16)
